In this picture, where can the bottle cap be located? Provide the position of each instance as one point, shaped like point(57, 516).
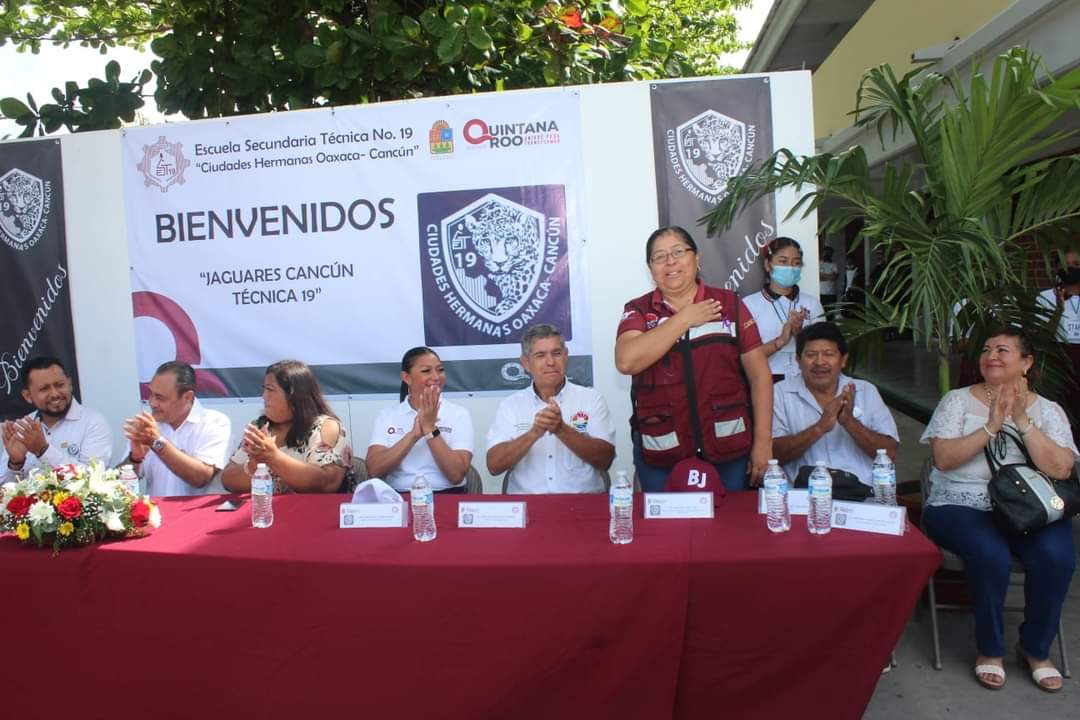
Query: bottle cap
point(260, 466)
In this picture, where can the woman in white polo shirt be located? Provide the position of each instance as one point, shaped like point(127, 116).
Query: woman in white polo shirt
point(424, 433)
point(780, 309)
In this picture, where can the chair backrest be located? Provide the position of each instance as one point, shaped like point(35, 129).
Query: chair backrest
point(358, 475)
point(474, 484)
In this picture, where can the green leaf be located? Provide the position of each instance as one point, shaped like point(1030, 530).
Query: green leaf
point(112, 71)
point(13, 108)
point(455, 14)
point(309, 56)
point(479, 38)
point(451, 45)
point(477, 16)
point(637, 7)
point(145, 76)
point(411, 27)
point(433, 23)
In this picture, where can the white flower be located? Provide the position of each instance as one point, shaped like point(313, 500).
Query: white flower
point(155, 516)
point(42, 513)
point(113, 522)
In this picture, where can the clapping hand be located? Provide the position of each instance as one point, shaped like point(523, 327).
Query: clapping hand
point(847, 405)
point(259, 444)
point(32, 435)
point(142, 429)
point(16, 449)
point(1001, 407)
point(1020, 403)
point(427, 415)
point(548, 420)
point(831, 411)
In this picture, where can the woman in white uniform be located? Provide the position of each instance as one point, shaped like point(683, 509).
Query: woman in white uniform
point(780, 309)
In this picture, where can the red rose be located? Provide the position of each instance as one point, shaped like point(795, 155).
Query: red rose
point(71, 508)
point(140, 513)
point(19, 505)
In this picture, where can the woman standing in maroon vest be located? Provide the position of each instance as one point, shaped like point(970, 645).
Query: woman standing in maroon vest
point(691, 349)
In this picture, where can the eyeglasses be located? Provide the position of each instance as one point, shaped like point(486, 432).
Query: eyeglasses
point(662, 257)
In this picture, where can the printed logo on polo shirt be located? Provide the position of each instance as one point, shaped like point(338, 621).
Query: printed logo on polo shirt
point(395, 430)
point(651, 320)
point(72, 449)
point(580, 420)
point(25, 202)
point(494, 263)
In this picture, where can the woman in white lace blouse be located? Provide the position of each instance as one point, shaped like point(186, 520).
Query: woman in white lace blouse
point(298, 437)
point(958, 517)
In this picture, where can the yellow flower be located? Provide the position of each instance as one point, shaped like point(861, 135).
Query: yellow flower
point(22, 530)
point(65, 529)
point(60, 497)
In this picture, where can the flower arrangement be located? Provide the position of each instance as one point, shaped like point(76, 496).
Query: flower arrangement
point(73, 505)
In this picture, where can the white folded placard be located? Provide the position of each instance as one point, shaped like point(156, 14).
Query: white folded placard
point(373, 515)
point(678, 505)
point(869, 517)
point(499, 514)
point(798, 502)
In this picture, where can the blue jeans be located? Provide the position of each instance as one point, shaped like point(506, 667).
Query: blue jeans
point(653, 479)
point(1048, 557)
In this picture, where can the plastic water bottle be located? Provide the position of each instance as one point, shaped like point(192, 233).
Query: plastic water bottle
point(621, 507)
point(884, 478)
point(422, 499)
point(777, 516)
point(262, 497)
point(819, 517)
point(129, 480)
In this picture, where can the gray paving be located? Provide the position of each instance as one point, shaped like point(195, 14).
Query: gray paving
point(914, 689)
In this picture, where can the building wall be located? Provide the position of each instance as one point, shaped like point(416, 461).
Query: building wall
point(888, 33)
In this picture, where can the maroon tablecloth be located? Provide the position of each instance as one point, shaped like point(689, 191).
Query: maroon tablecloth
point(208, 617)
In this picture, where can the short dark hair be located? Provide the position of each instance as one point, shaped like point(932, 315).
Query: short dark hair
point(43, 362)
point(820, 331)
point(827, 251)
point(778, 244)
point(539, 332)
point(184, 374)
point(304, 396)
point(676, 230)
point(408, 360)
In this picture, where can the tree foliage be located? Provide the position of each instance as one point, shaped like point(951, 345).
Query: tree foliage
point(217, 57)
point(956, 217)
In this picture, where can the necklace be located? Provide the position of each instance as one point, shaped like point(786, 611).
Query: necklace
point(777, 306)
point(997, 444)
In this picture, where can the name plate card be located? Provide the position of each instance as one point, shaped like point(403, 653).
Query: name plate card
point(798, 502)
point(869, 517)
point(678, 505)
point(495, 514)
point(373, 515)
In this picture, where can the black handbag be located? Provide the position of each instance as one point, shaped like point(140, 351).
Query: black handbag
point(1024, 498)
point(845, 485)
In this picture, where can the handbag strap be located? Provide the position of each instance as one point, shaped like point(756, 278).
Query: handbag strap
point(993, 462)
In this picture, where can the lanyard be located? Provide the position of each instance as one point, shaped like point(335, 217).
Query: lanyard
point(775, 304)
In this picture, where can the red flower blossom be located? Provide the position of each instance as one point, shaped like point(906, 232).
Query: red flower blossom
point(140, 513)
point(71, 508)
point(572, 18)
point(19, 505)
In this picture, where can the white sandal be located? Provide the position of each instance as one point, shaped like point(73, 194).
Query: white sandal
point(1040, 674)
point(995, 670)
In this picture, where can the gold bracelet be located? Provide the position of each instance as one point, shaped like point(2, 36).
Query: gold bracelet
point(1030, 427)
point(987, 431)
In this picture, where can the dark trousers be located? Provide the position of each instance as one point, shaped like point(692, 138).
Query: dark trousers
point(1049, 559)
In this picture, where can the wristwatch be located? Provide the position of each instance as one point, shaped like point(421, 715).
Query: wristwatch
point(434, 433)
point(158, 445)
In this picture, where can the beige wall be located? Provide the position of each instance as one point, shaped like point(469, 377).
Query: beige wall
point(888, 33)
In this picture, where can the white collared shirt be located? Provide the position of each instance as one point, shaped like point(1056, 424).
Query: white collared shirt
point(550, 466)
point(392, 423)
point(828, 287)
point(204, 435)
point(1069, 326)
point(81, 435)
point(795, 409)
point(771, 315)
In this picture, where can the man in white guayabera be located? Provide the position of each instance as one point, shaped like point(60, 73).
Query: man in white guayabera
point(59, 431)
point(553, 436)
point(179, 447)
point(822, 414)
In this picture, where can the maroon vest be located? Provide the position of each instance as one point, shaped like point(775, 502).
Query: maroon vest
point(694, 401)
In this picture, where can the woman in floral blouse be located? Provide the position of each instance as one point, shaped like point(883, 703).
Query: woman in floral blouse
point(298, 437)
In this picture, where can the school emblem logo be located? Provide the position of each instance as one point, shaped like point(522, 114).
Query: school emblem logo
point(495, 262)
point(441, 138)
point(163, 164)
point(580, 421)
point(712, 149)
point(25, 201)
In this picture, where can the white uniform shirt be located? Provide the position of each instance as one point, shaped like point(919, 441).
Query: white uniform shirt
point(550, 466)
point(1069, 327)
point(81, 435)
point(455, 428)
point(828, 287)
point(795, 409)
point(770, 316)
point(204, 435)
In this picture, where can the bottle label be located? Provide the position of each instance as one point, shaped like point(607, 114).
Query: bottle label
point(884, 476)
point(621, 498)
point(776, 489)
point(262, 486)
point(421, 498)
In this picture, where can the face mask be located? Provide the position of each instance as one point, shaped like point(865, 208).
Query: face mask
point(785, 276)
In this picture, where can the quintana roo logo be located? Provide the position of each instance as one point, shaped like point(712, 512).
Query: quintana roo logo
point(712, 150)
point(24, 208)
point(503, 239)
point(163, 164)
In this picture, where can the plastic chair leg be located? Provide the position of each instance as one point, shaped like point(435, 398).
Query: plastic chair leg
point(1064, 654)
point(934, 624)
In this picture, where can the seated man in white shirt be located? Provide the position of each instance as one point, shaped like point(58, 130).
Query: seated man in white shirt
point(822, 414)
point(179, 447)
point(553, 436)
point(59, 431)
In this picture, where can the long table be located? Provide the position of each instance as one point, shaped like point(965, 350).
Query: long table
point(208, 617)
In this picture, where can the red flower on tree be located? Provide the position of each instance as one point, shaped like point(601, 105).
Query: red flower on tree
point(572, 17)
point(140, 513)
point(19, 505)
point(71, 508)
